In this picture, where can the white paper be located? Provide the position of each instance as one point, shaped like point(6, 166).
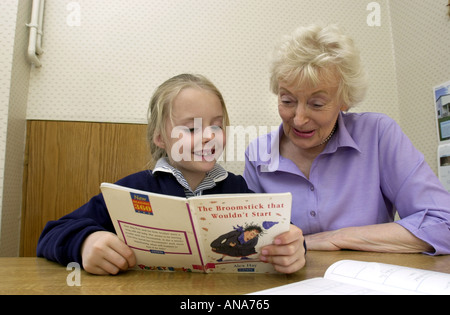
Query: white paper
point(351, 277)
point(444, 165)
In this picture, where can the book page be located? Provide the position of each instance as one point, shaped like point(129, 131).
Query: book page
point(318, 286)
point(389, 278)
point(158, 228)
point(350, 277)
point(233, 228)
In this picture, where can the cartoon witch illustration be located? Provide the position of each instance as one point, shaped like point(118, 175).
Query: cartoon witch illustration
point(240, 242)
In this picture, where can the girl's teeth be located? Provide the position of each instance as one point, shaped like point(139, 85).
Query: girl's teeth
point(203, 153)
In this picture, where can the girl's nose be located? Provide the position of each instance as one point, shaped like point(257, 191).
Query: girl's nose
point(208, 134)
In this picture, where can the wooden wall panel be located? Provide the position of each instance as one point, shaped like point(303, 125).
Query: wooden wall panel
point(65, 164)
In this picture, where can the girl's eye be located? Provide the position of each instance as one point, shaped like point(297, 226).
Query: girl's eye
point(193, 130)
point(211, 128)
point(214, 129)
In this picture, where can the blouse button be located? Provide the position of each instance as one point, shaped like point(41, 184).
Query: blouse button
point(313, 213)
point(311, 188)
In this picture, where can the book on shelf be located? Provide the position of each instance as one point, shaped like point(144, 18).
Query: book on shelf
point(210, 233)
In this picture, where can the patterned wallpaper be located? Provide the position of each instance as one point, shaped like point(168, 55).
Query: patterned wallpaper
point(104, 58)
point(421, 32)
point(14, 81)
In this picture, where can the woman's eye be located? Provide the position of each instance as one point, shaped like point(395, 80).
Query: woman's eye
point(316, 103)
point(286, 100)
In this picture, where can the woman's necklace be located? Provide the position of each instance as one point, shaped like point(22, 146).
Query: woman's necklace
point(331, 135)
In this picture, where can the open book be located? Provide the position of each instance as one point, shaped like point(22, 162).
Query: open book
point(211, 233)
point(347, 277)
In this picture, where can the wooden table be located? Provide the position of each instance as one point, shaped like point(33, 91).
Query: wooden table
point(30, 275)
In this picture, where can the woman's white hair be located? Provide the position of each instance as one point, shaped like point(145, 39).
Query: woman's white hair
point(317, 53)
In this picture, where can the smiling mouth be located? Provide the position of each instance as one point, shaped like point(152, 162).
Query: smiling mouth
point(205, 153)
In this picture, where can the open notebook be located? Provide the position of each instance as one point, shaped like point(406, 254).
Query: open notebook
point(347, 277)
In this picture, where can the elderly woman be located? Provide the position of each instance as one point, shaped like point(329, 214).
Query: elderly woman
point(347, 172)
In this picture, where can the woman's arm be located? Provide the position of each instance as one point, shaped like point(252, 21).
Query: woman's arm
point(388, 237)
point(421, 201)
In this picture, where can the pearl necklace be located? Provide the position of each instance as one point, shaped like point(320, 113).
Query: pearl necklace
point(331, 134)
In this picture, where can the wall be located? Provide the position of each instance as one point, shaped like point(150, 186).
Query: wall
point(104, 58)
point(421, 33)
point(14, 78)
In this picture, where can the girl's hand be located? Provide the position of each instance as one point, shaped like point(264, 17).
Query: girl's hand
point(104, 253)
point(287, 253)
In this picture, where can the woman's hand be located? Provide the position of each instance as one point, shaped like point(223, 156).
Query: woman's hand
point(104, 253)
point(323, 241)
point(287, 253)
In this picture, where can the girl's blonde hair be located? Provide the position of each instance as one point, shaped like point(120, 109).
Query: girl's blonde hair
point(160, 108)
point(317, 52)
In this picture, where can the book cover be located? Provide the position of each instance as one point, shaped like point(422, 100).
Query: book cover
point(211, 233)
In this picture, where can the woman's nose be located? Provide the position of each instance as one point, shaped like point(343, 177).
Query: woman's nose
point(301, 115)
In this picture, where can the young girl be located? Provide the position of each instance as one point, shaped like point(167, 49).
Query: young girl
point(186, 132)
